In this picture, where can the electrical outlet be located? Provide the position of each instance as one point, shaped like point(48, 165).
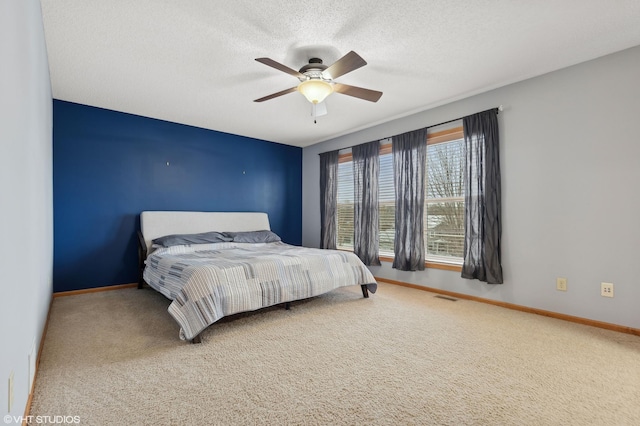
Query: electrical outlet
point(561, 284)
point(606, 289)
point(10, 403)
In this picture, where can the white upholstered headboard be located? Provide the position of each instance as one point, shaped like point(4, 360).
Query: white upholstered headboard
point(155, 224)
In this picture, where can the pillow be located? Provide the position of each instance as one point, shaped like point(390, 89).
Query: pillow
point(254, 237)
point(202, 238)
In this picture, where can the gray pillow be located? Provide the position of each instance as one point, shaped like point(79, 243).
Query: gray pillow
point(202, 238)
point(254, 237)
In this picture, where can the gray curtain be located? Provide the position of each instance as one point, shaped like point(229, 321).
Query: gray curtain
point(483, 227)
point(328, 199)
point(409, 168)
point(366, 170)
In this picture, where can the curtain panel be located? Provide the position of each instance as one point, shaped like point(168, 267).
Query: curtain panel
point(483, 226)
point(328, 199)
point(409, 152)
point(366, 171)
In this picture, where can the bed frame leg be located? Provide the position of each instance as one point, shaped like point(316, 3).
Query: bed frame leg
point(365, 291)
point(287, 305)
point(197, 339)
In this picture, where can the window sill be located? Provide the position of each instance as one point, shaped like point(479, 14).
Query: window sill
point(432, 265)
point(428, 264)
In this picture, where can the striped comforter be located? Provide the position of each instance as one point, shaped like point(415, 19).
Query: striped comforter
point(209, 281)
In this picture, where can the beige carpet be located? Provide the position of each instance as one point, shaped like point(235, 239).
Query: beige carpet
point(400, 357)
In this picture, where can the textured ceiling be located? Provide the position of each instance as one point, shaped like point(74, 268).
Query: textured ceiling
point(192, 62)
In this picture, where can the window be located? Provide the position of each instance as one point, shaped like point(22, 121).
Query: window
point(386, 200)
point(345, 202)
point(444, 198)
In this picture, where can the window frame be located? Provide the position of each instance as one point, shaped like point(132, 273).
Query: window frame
point(447, 135)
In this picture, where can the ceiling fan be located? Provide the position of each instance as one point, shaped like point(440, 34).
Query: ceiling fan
point(317, 80)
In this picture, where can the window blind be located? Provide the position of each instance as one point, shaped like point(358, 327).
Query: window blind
point(345, 203)
point(386, 199)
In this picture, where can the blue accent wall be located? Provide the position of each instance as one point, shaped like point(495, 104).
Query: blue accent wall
point(109, 166)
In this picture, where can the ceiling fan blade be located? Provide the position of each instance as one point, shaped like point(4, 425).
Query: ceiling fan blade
point(279, 66)
point(349, 62)
point(275, 95)
point(357, 92)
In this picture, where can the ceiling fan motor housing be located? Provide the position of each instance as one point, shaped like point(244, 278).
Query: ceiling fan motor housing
point(314, 69)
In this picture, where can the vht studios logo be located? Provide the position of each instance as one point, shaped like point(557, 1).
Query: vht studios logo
point(37, 420)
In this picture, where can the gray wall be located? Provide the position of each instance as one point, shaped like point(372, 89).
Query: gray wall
point(26, 212)
point(570, 174)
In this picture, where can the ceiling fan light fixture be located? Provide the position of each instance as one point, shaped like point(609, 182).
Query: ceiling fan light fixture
point(315, 90)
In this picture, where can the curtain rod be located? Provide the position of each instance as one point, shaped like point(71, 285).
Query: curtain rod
point(500, 108)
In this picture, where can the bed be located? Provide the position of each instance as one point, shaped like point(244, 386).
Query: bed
point(214, 264)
